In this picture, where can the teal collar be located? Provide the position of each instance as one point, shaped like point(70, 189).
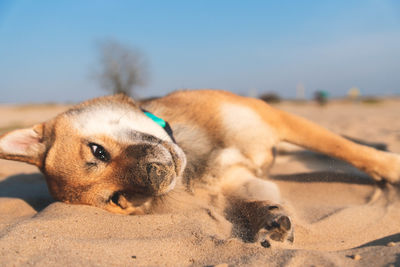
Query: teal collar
point(164, 124)
point(156, 119)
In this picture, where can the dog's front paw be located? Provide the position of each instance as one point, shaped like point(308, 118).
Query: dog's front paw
point(275, 225)
point(265, 222)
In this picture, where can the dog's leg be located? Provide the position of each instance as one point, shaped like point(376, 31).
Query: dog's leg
point(254, 207)
point(378, 164)
point(293, 129)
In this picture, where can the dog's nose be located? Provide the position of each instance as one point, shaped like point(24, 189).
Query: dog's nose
point(159, 177)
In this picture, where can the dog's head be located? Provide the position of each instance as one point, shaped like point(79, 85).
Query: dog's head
point(104, 152)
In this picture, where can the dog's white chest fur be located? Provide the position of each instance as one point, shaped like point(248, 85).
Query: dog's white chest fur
point(248, 132)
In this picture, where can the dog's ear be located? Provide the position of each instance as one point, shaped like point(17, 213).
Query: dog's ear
point(24, 145)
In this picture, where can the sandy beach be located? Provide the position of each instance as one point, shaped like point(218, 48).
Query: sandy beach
point(341, 217)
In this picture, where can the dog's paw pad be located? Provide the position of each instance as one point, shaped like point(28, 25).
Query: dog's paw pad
point(275, 226)
point(279, 229)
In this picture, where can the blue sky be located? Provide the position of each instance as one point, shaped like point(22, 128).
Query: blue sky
point(48, 48)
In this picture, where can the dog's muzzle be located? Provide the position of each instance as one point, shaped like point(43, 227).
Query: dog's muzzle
point(155, 168)
point(160, 178)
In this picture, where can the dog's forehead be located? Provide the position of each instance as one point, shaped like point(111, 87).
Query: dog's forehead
point(114, 120)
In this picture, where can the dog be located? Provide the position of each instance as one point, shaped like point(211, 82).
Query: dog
point(122, 155)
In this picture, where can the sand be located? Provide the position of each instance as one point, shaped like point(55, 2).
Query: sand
point(340, 217)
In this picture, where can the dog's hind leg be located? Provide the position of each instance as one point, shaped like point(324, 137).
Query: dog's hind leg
point(380, 165)
point(255, 207)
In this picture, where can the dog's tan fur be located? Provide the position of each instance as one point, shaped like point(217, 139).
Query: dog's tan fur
point(227, 140)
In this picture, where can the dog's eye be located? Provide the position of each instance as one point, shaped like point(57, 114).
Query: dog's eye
point(99, 152)
point(119, 200)
point(115, 198)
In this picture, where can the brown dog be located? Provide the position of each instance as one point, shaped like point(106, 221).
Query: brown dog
point(111, 152)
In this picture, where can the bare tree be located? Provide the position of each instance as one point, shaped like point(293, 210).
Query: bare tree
point(122, 69)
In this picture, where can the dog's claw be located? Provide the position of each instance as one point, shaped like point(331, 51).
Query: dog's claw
point(265, 243)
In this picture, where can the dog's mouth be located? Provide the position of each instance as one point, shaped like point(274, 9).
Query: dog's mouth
point(123, 200)
point(137, 204)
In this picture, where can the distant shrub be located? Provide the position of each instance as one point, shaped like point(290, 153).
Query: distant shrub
point(321, 97)
point(371, 100)
point(270, 98)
